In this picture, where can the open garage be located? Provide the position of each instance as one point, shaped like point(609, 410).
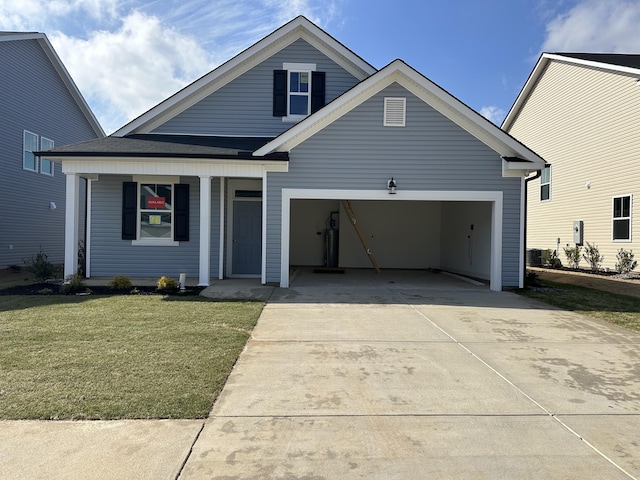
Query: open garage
point(450, 231)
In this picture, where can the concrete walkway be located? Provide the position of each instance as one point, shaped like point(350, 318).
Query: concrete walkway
point(393, 376)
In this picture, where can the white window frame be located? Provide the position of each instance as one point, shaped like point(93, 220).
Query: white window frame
point(24, 150)
point(627, 218)
point(298, 68)
point(49, 171)
point(157, 180)
point(548, 183)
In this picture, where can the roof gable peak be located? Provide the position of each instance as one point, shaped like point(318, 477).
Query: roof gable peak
point(298, 28)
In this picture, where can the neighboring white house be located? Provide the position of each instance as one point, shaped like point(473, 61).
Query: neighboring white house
point(241, 172)
point(580, 112)
point(40, 107)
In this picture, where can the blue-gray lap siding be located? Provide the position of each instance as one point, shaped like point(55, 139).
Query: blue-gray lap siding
point(431, 153)
point(33, 97)
point(245, 105)
point(110, 255)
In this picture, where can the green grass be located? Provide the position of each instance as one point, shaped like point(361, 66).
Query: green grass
point(117, 357)
point(611, 307)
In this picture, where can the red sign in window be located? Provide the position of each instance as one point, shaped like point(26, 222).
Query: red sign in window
point(155, 202)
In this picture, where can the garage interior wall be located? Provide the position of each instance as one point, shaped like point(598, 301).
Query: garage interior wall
point(308, 223)
point(466, 238)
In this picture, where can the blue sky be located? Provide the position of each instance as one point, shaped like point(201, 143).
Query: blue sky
point(128, 55)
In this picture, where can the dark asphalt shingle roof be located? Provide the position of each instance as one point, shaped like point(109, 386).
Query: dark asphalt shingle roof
point(619, 59)
point(178, 146)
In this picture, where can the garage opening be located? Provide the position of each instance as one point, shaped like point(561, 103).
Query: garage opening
point(454, 236)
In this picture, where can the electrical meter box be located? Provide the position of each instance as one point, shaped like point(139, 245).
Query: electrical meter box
point(578, 232)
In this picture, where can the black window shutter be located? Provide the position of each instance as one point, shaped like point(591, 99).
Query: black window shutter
point(279, 93)
point(129, 210)
point(181, 212)
point(317, 91)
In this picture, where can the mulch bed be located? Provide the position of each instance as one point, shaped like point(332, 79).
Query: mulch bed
point(55, 289)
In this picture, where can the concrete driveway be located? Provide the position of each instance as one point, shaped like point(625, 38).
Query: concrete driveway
point(403, 376)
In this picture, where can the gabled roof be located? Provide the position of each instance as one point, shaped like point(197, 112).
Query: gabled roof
point(165, 146)
point(620, 63)
point(445, 103)
point(298, 28)
point(46, 46)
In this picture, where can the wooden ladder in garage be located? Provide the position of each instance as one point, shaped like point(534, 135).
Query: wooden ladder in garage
point(352, 216)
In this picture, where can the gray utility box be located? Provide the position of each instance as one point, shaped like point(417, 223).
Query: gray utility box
point(578, 232)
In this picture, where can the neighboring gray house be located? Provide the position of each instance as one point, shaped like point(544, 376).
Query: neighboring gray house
point(240, 173)
point(40, 107)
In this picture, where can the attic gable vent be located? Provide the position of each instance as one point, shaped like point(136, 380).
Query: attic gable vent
point(395, 109)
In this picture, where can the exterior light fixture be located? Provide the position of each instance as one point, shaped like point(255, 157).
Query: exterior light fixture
point(391, 186)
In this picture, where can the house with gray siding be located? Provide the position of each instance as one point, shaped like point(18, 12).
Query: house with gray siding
point(40, 108)
point(254, 170)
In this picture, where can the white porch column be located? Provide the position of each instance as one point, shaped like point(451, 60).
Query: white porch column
point(72, 208)
point(222, 214)
point(205, 230)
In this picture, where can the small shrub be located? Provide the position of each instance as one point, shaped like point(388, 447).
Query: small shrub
point(45, 291)
point(592, 256)
point(531, 278)
point(40, 267)
point(625, 262)
point(73, 284)
point(167, 283)
point(550, 259)
point(573, 254)
point(120, 282)
point(14, 268)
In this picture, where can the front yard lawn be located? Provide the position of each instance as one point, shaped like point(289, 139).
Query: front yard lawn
point(111, 357)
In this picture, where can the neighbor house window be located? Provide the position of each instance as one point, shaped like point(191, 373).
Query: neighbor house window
point(298, 90)
point(30, 145)
point(46, 166)
point(155, 211)
point(545, 183)
point(622, 218)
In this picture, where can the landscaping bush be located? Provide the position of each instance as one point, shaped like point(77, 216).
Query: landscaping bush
point(592, 256)
point(167, 283)
point(550, 259)
point(120, 282)
point(573, 254)
point(73, 284)
point(40, 267)
point(625, 262)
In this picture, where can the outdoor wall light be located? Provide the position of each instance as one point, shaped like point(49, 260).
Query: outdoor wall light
point(52, 205)
point(391, 186)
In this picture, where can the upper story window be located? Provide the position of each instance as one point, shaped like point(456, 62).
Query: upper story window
point(622, 218)
point(298, 90)
point(46, 166)
point(32, 143)
point(545, 183)
point(29, 145)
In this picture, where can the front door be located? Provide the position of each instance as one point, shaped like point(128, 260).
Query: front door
point(247, 237)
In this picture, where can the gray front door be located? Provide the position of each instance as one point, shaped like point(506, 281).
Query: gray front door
point(247, 238)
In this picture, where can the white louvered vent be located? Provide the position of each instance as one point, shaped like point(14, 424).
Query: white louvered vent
point(395, 109)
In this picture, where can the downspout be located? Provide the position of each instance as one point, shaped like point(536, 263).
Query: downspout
point(524, 233)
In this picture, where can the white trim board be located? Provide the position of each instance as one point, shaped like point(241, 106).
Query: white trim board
point(494, 197)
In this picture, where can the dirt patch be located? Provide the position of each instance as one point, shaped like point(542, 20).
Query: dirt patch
point(608, 283)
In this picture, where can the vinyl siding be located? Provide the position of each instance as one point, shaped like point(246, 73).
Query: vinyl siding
point(110, 255)
point(244, 107)
point(431, 153)
point(33, 98)
point(584, 121)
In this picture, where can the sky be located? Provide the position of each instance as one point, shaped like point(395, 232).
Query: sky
point(126, 56)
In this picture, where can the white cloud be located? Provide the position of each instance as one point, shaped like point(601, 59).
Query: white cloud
point(130, 70)
point(128, 55)
point(596, 26)
point(493, 114)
